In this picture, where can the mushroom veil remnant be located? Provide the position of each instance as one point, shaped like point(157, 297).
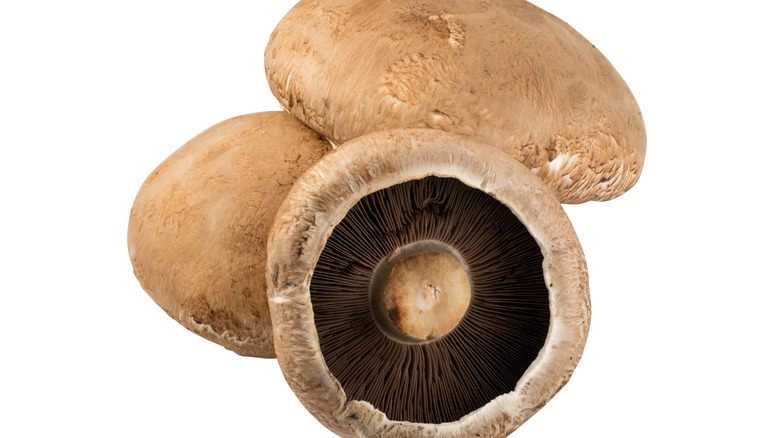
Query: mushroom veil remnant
point(199, 224)
point(424, 284)
point(502, 71)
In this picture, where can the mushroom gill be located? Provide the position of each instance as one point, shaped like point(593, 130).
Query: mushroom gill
point(483, 353)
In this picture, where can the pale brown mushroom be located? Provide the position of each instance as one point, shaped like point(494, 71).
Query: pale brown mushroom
point(198, 227)
point(503, 71)
point(409, 219)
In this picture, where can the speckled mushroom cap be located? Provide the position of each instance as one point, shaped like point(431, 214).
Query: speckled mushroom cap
point(198, 227)
point(430, 174)
point(503, 71)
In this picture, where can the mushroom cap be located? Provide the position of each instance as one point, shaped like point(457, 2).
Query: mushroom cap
point(198, 226)
point(503, 71)
point(322, 197)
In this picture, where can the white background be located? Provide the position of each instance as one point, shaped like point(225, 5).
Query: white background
point(684, 268)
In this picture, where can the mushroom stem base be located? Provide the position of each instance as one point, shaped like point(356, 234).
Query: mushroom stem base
point(420, 292)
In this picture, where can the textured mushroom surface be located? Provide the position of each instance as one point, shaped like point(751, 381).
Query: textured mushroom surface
point(405, 194)
point(503, 71)
point(198, 227)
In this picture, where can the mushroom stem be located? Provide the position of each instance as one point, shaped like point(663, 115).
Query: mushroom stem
point(420, 292)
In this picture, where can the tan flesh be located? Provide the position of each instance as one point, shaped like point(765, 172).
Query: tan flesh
point(420, 292)
point(198, 226)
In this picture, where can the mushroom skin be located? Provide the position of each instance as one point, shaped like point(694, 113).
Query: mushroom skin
point(198, 227)
point(319, 201)
point(503, 71)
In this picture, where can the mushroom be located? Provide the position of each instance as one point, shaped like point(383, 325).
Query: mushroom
point(198, 227)
point(502, 71)
point(423, 284)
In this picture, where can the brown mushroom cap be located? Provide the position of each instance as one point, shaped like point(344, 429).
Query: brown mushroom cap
point(198, 227)
point(503, 71)
point(385, 187)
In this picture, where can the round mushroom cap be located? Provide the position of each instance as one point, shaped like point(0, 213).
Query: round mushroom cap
point(198, 226)
point(503, 71)
point(398, 201)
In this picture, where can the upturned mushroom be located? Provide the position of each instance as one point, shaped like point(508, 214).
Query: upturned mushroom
point(502, 71)
point(198, 227)
point(424, 284)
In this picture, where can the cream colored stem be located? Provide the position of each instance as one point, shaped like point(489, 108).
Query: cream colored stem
point(420, 292)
